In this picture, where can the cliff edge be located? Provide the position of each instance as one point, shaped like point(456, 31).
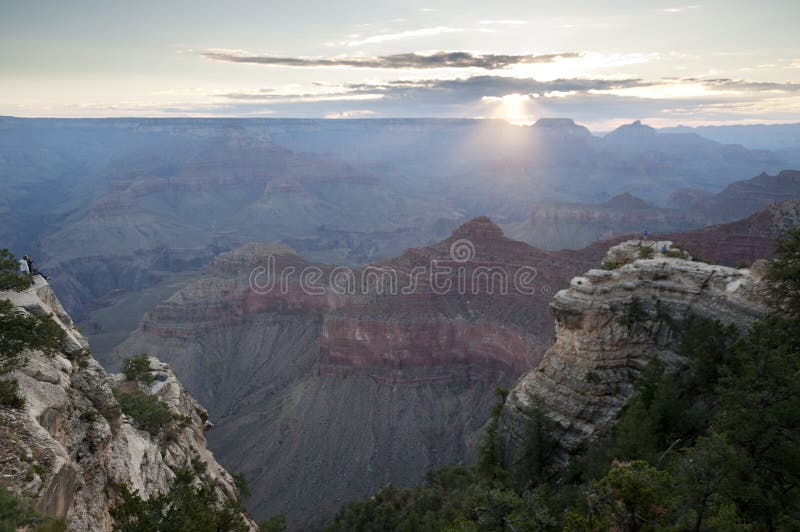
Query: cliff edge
point(71, 447)
point(609, 324)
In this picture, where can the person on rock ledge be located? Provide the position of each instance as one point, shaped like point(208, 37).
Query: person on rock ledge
point(30, 269)
point(24, 267)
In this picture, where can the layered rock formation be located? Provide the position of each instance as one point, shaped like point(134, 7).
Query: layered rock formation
point(71, 446)
point(609, 324)
point(321, 394)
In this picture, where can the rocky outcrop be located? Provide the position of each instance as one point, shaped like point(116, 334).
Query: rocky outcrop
point(71, 447)
point(609, 324)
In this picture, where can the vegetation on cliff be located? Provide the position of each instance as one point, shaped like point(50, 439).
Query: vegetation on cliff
point(18, 332)
point(714, 446)
point(10, 276)
point(188, 505)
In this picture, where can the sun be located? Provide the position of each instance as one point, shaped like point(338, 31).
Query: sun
point(514, 108)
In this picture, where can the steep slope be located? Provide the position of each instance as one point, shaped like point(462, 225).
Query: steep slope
point(71, 446)
point(324, 392)
point(609, 324)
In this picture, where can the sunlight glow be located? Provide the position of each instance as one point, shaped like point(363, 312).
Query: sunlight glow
point(512, 107)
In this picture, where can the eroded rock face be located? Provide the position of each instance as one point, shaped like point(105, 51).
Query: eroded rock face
point(609, 324)
point(71, 445)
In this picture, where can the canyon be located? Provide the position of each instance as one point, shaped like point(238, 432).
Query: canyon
point(108, 207)
point(323, 392)
point(320, 398)
point(325, 387)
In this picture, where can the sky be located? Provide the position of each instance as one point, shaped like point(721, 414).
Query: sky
point(600, 63)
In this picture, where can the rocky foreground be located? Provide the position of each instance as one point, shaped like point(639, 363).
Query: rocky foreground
point(609, 324)
point(71, 447)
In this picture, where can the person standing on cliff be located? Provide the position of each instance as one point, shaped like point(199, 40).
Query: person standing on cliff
point(23, 265)
point(30, 264)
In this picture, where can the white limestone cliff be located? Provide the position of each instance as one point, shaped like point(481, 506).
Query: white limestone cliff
point(71, 447)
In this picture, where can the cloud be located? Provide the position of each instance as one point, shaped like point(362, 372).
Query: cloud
point(265, 96)
point(436, 92)
point(681, 9)
point(750, 86)
point(504, 22)
point(408, 34)
point(501, 85)
point(396, 61)
point(352, 113)
point(586, 100)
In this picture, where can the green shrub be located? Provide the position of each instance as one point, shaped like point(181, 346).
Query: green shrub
point(609, 265)
point(10, 276)
point(634, 313)
point(675, 253)
point(18, 513)
point(19, 332)
point(9, 394)
point(242, 486)
point(490, 459)
point(276, 523)
point(538, 446)
point(592, 377)
point(188, 505)
point(138, 369)
point(646, 252)
point(783, 278)
point(148, 412)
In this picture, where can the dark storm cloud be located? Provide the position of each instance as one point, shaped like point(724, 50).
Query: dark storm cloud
point(396, 61)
